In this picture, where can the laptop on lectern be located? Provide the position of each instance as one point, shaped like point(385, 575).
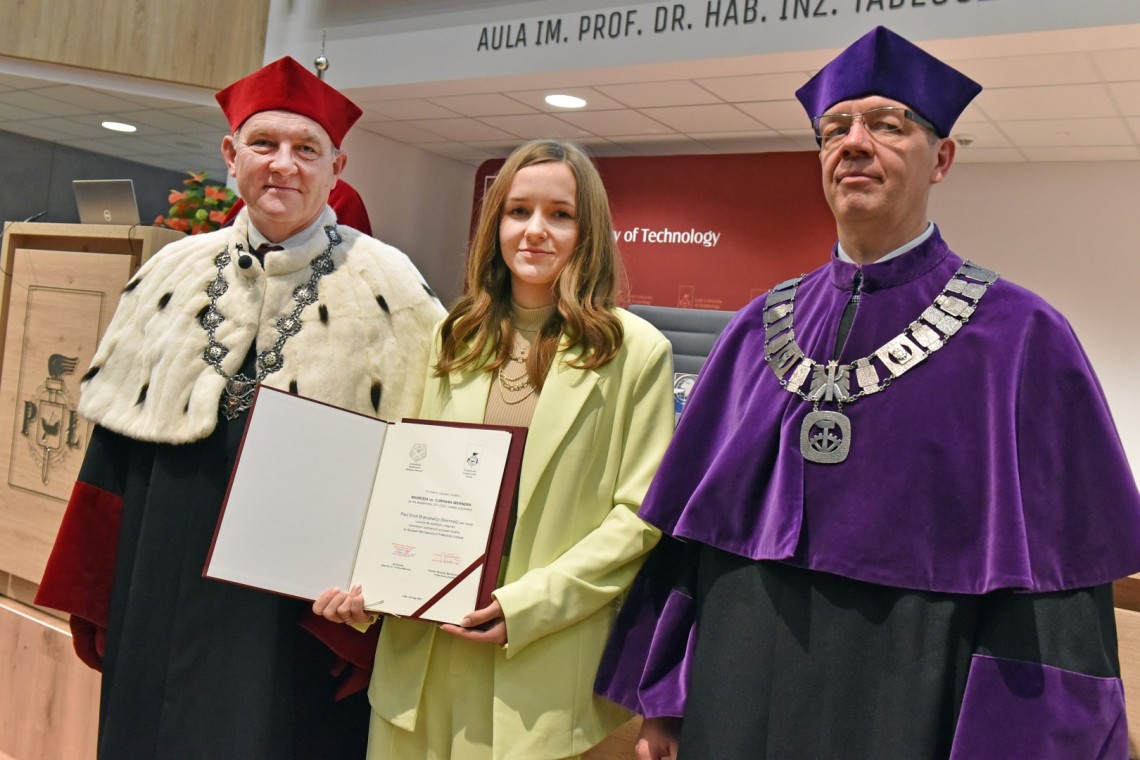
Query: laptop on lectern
point(106, 201)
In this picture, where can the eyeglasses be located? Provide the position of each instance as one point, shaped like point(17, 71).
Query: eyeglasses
point(884, 125)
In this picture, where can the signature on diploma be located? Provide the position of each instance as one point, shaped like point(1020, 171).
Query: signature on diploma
point(403, 550)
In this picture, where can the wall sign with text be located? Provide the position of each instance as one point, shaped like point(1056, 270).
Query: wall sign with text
point(513, 38)
point(712, 232)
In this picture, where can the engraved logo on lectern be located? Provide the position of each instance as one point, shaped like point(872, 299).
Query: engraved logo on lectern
point(50, 423)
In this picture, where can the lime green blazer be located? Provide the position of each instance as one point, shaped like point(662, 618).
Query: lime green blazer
point(595, 441)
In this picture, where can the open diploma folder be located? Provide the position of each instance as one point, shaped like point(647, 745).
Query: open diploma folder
point(415, 511)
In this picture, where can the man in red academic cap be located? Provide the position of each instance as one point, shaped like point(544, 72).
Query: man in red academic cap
point(194, 668)
point(900, 493)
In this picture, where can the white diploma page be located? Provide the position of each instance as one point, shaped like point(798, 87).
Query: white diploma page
point(430, 520)
point(297, 497)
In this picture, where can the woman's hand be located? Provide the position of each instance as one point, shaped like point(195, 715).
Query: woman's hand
point(486, 625)
point(343, 606)
point(658, 739)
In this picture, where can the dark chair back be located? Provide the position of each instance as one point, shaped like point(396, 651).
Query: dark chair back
point(691, 331)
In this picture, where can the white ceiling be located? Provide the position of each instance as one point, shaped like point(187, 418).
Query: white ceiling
point(1072, 95)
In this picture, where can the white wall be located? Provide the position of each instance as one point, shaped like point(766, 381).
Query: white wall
point(1069, 232)
point(418, 202)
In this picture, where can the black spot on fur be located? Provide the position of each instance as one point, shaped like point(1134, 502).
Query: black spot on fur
point(429, 291)
point(132, 285)
point(142, 394)
point(164, 300)
point(377, 392)
point(186, 409)
point(324, 312)
point(293, 387)
point(383, 304)
point(90, 374)
point(201, 313)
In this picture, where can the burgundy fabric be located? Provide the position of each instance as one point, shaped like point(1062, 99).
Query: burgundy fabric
point(81, 568)
point(89, 641)
point(349, 207)
point(344, 200)
point(1023, 709)
point(286, 85)
point(354, 650)
point(883, 63)
point(994, 464)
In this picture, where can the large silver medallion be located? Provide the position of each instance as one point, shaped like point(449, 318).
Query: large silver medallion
point(825, 437)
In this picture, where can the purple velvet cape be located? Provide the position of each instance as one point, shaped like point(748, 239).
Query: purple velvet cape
point(995, 464)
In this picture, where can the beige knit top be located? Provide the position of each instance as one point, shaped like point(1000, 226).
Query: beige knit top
point(513, 397)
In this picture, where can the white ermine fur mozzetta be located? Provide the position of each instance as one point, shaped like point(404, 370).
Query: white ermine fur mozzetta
point(149, 380)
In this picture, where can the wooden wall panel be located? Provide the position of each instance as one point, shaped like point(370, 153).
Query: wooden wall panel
point(49, 700)
point(64, 286)
point(206, 43)
point(60, 305)
point(1128, 635)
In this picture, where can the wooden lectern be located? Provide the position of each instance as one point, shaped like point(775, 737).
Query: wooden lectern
point(61, 285)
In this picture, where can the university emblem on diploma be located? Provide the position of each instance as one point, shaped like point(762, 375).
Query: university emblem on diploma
point(418, 452)
point(50, 423)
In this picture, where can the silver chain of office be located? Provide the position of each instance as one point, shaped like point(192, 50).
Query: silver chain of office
point(825, 436)
point(238, 394)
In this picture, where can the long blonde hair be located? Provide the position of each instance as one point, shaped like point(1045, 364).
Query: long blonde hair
point(478, 330)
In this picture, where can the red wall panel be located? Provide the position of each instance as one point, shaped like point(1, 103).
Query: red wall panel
point(713, 231)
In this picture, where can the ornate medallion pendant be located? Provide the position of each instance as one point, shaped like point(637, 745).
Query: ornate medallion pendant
point(825, 437)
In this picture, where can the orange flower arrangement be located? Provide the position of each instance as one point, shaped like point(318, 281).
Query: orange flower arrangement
point(198, 208)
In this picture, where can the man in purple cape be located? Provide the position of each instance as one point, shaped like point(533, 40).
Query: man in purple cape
point(896, 499)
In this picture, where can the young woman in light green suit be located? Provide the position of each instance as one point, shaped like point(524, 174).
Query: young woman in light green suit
point(536, 341)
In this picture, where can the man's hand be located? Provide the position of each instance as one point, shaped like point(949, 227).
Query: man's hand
point(486, 625)
point(343, 606)
point(658, 739)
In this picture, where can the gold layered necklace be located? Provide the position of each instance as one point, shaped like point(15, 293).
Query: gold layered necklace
point(515, 384)
point(514, 390)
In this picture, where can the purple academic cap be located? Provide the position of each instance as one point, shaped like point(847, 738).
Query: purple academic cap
point(883, 63)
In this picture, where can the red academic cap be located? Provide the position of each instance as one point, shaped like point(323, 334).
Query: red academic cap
point(286, 85)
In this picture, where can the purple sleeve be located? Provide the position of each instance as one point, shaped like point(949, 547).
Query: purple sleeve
point(646, 665)
point(1013, 708)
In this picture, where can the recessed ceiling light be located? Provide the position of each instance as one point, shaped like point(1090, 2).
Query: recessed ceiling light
point(118, 126)
point(565, 101)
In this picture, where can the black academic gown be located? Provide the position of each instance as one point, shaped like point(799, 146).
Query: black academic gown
point(193, 668)
point(821, 667)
